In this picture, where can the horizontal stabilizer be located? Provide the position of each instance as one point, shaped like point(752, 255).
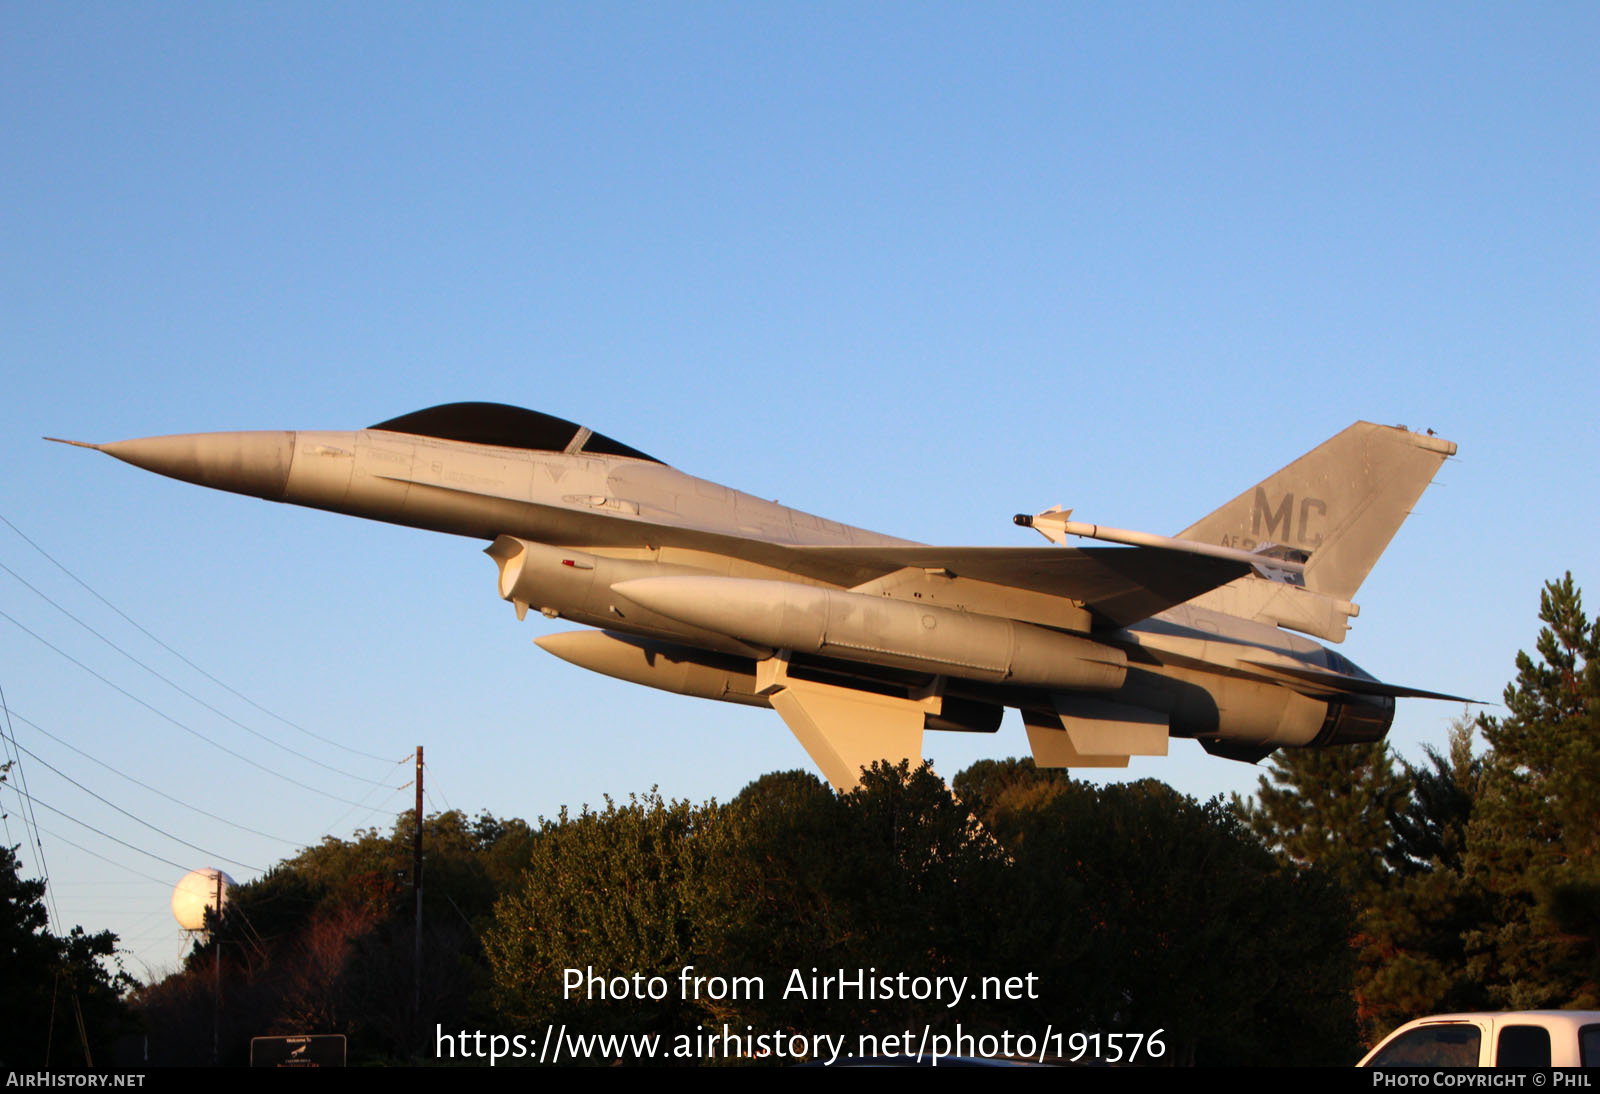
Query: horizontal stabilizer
point(1338, 682)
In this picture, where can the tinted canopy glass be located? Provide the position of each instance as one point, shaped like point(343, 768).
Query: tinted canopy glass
point(506, 426)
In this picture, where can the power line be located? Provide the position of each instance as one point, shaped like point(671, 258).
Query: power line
point(179, 688)
point(167, 717)
point(102, 858)
point(136, 819)
point(442, 796)
point(176, 801)
point(29, 818)
point(109, 836)
point(179, 656)
point(365, 809)
point(6, 764)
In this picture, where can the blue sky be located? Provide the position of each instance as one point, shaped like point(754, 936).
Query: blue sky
point(914, 267)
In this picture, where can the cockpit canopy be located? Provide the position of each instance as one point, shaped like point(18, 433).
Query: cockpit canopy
point(508, 427)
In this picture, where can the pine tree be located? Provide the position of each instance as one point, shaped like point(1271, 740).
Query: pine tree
point(1330, 807)
point(1534, 843)
point(1411, 932)
point(1431, 832)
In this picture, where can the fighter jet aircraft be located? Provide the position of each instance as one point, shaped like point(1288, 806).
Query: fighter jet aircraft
point(862, 641)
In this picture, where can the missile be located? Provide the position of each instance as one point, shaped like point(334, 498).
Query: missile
point(1054, 524)
point(880, 630)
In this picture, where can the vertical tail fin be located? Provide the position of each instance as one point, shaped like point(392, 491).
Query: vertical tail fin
point(1342, 502)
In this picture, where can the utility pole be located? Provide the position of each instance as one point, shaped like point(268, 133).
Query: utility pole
point(416, 885)
point(216, 990)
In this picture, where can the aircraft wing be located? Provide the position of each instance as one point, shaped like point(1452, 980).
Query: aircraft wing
point(1118, 585)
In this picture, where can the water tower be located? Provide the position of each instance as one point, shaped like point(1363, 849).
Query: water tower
point(200, 891)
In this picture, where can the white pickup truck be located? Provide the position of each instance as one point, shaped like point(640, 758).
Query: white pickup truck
point(1523, 1038)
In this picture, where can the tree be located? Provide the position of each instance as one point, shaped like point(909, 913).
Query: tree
point(997, 789)
point(1534, 842)
point(618, 894)
point(1412, 932)
point(60, 1007)
point(1142, 908)
point(1430, 833)
point(324, 942)
point(1331, 807)
point(1396, 842)
point(896, 875)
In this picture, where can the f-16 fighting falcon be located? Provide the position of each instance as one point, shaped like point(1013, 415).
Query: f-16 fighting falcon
point(860, 641)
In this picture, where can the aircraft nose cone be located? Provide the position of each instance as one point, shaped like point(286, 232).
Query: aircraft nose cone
point(246, 463)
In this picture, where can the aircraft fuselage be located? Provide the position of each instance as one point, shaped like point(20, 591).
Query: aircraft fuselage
point(859, 639)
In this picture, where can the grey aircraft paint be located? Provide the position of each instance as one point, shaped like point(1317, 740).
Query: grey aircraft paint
point(862, 641)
